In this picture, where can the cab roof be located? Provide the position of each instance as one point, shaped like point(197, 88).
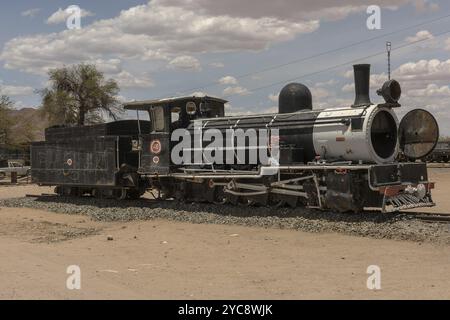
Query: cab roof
point(146, 104)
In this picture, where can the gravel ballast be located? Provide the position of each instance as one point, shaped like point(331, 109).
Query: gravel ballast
point(368, 224)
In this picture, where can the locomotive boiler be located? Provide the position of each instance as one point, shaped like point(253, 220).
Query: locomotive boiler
point(361, 133)
point(344, 158)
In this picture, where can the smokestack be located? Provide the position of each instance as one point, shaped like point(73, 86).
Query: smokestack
point(362, 84)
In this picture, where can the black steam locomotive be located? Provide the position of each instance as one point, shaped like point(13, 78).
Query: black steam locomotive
point(343, 159)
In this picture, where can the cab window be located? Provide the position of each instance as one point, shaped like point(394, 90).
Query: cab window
point(175, 114)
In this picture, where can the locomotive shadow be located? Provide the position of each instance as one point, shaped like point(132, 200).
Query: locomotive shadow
point(239, 211)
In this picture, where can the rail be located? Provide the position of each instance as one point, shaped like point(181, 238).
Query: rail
point(422, 216)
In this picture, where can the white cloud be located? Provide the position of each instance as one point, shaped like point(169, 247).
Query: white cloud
point(447, 44)
point(426, 5)
point(196, 31)
point(30, 13)
point(411, 75)
point(107, 66)
point(348, 74)
point(162, 29)
point(328, 83)
point(126, 80)
point(243, 112)
point(232, 110)
point(433, 69)
point(273, 109)
point(14, 91)
point(419, 36)
point(228, 80)
point(232, 89)
point(348, 87)
point(187, 63)
point(319, 93)
point(292, 10)
point(235, 91)
point(61, 16)
point(432, 90)
point(217, 65)
point(151, 31)
point(274, 97)
point(165, 29)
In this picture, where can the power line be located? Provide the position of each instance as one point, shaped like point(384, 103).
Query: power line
point(246, 75)
point(341, 64)
point(339, 49)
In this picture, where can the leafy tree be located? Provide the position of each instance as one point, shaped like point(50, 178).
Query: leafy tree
point(79, 95)
point(25, 132)
point(6, 122)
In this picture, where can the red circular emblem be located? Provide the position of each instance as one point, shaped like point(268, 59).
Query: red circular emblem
point(155, 147)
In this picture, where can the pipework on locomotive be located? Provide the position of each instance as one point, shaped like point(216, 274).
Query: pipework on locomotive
point(345, 158)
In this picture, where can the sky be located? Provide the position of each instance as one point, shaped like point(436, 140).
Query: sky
point(243, 51)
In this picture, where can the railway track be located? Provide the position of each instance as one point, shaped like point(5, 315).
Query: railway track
point(432, 218)
point(423, 216)
point(40, 195)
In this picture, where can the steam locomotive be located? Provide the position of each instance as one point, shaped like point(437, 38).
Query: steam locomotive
point(343, 159)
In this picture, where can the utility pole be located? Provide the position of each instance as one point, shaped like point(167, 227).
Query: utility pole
point(388, 49)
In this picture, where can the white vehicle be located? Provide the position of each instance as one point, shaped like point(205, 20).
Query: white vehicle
point(8, 166)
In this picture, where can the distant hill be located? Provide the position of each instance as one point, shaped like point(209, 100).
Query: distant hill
point(29, 125)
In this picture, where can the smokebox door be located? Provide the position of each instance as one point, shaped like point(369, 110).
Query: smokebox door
point(418, 134)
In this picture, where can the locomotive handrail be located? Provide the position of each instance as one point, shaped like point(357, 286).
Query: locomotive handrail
point(286, 115)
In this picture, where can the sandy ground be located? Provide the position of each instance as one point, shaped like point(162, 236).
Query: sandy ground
point(171, 260)
point(441, 193)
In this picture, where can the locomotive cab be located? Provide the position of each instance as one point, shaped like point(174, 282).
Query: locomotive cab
point(166, 116)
